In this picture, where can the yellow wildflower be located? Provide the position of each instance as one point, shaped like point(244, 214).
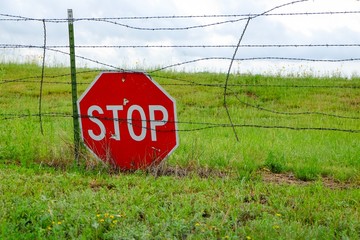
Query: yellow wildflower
point(213, 228)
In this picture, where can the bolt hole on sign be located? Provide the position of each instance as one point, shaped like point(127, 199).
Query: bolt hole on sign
point(128, 120)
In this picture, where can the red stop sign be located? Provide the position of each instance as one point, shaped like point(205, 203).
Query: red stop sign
point(127, 119)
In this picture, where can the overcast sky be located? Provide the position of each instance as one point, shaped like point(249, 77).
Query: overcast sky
point(275, 29)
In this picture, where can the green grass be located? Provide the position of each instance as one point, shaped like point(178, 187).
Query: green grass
point(219, 192)
point(39, 203)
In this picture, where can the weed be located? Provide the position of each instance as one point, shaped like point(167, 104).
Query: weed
point(275, 164)
point(308, 173)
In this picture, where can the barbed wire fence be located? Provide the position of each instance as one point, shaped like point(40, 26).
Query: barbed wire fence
point(227, 86)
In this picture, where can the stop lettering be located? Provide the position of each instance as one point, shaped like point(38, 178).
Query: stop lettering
point(130, 113)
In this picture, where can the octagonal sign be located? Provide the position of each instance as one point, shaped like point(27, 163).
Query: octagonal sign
point(128, 120)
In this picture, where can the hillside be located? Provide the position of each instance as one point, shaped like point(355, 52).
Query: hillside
point(293, 173)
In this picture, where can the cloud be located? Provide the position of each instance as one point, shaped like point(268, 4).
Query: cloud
point(300, 29)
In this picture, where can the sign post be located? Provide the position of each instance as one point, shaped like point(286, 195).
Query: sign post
point(128, 120)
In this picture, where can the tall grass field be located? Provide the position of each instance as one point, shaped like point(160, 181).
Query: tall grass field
point(289, 169)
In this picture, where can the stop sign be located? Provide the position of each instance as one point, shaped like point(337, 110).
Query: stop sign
point(128, 120)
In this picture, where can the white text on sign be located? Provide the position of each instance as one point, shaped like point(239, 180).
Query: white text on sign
point(130, 112)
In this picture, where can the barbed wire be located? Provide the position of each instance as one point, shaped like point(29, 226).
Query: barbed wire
point(190, 27)
point(228, 76)
point(292, 113)
point(42, 79)
point(88, 59)
point(208, 125)
point(256, 58)
point(215, 58)
point(10, 17)
point(186, 82)
point(327, 45)
point(30, 79)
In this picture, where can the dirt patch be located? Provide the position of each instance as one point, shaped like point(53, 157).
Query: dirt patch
point(178, 171)
point(264, 174)
point(290, 179)
point(281, 178)
point(206, 172)
point(96, 185)
point(251, 95)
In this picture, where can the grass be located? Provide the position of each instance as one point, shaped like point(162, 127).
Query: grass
point(212, 187)
point(48, 203)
